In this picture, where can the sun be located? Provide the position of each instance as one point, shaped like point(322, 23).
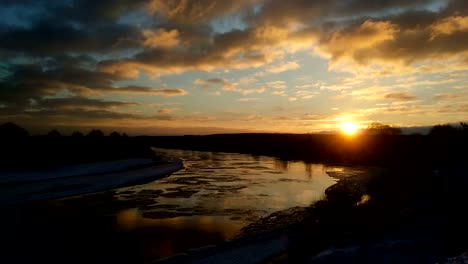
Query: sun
point(349, 128)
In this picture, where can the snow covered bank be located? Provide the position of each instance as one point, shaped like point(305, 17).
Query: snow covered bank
point(72, 171)
point(16, 188)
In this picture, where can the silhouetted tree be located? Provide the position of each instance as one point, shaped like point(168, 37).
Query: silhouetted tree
point(54, 133)
point(124, 135)
point(464, 128)
point(114, 134)
point(9, 130)
point(96, 133)
point(377, 128)
point(444, 130)
point(77, 134)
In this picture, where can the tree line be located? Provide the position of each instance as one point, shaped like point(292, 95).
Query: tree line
point(10, 129)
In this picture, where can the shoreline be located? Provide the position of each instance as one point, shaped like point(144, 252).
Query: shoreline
point(83, 179)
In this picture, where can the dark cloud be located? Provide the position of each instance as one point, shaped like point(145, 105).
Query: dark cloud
point(146, 90)
point(413, 19)
point(56, 37)
point(187, 12)
point(216, 80)
point(208, 83)
point(304, 11)
point(78, 102)
point(96, 12)
point(74, 75)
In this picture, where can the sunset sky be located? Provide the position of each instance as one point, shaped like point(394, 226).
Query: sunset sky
point(215, 66)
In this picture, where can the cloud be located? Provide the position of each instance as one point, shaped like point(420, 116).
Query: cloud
point(276, 85)
point(450, 25)
point(184, 11)
point(236, 49)
point(291, 65)
point(400, 96)
point(349, 42)
point(78, 103)
point(230, 86)
point(447, 96)
point(280, 93)
point(30, 81)
point(166, 110)
point(248, 91)
point(388, 46)
point(145, 90)
point(161, 38)
point(302, 94)
point(53, 37)
point(247, 99)
point(342, 28)
point(209, 83)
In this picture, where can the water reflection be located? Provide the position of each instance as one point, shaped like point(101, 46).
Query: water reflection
point(281, 165)
point(309, 171)
point(236, 186)
point(225, 228)
point(171, 236)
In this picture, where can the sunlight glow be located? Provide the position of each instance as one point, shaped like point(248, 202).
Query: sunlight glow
point(349, 128)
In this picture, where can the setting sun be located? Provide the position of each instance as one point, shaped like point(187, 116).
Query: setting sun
point(349, 128)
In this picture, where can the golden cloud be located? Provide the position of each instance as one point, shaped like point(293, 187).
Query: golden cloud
point(346, 43)
point(449, 25)
point(161, 38)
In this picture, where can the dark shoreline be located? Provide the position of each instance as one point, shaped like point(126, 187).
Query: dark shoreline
point(406, 220)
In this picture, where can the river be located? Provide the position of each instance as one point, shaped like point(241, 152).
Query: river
point(204, 204)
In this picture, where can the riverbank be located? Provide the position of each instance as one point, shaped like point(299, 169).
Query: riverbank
point(26, 186)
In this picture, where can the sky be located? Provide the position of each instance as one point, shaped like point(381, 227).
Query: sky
point(213, 66)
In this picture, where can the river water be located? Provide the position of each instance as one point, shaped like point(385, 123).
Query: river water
point(206, 203)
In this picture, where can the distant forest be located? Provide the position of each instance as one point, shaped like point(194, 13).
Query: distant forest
point(378, 144)
point(20, 151)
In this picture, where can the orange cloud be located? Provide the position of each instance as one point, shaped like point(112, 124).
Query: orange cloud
point(161, 38)
point(449, 25)
point(349, 43)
